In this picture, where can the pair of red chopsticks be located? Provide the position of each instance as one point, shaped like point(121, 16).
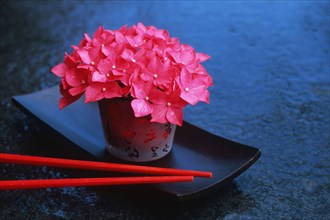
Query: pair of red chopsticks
point(166, 175)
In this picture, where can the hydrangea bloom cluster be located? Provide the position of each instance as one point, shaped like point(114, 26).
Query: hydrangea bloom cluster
point(143, 63)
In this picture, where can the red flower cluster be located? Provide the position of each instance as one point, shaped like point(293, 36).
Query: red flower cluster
point(141, 62)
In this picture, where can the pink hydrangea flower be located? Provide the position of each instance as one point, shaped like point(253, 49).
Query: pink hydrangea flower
point(142, 63)
point(167, 107)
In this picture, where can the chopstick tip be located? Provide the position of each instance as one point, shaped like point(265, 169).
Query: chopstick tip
point(205, 174)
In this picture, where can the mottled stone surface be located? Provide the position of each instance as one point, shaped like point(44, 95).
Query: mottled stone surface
point(270, 64)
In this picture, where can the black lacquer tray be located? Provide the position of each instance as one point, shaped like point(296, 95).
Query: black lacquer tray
point(193, 147)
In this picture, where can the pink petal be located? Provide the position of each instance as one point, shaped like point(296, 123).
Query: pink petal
point(205, 97)
point(99, 77)
point(104, 66)
point(96, 42)
point(202, 57)
point(162, 34)
point(187, 57)
point(141, 107)
point(60, 70)
point(146, 77)
point(67, 100)
point(122, 63)
point(123, 28)
point(112, 90)
point(127, 54)
point(98, 32)
point(111, 58)
point(190, 98)
point(106, 50)
point(120, 38)
point(151, 30)
point(163, 80)
point(158, 114)
point(175, 42)
point(107, 45)
point(95, 53)
point(139, 91)
point(141, 27)
point(82, 44)
point(136, 85)
point(204, 77)
point(77, 90)
point(155, 65)
point(70, 61)
point(159, 45)
point(167, 64)
point(64, 84)
point(194, 94)
point(125, 91)
point(158, 97)
point(87, 37)
point(73, 77)
point(173, 72)
point(148, 87)
point(93, 94)
point(176, 56)
point(140, 55)
point(84, 55)
point(174, 115)
point(117, 73)
point(185, 78)
point(67, 97)
point(148, 45)
point(185, 47)
point(134, 41)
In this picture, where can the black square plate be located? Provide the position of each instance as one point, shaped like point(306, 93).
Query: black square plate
point(193, 147)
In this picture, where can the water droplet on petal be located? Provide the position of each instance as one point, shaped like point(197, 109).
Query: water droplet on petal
point(104, 89)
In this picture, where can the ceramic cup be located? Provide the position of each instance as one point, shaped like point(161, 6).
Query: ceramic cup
point(130, 138)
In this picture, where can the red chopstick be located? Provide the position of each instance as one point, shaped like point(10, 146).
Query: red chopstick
point(91, 165)
point(50, 183)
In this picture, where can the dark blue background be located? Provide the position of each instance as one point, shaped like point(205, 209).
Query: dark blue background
point(270, 64)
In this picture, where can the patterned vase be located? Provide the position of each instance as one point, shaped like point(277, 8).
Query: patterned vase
point(130, 138)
